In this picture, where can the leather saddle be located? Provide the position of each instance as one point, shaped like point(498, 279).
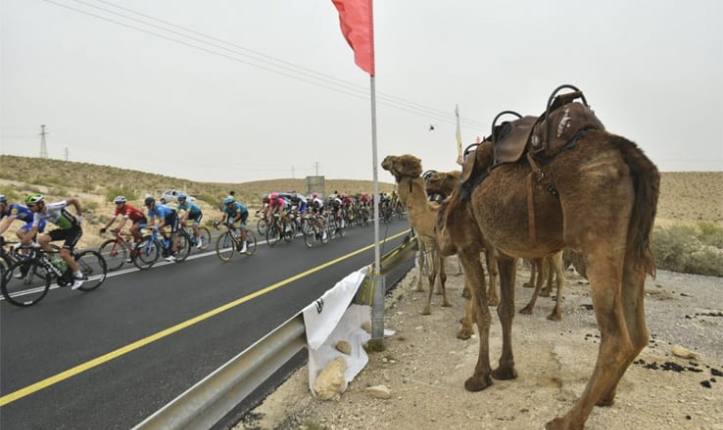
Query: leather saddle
point(542, 137)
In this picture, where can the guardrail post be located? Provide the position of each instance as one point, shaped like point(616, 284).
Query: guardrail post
point(377, 341)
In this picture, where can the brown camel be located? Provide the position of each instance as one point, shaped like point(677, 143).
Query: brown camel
point(422, 215)
point(544, 270)
point(439, 185)
point(459, 234)
point(597, 194)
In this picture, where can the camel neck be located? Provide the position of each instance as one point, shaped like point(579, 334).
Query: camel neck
point(411, 192)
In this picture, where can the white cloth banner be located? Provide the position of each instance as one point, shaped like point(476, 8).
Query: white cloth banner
point(331, 319)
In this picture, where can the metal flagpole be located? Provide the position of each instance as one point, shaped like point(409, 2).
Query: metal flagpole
point(377, 341)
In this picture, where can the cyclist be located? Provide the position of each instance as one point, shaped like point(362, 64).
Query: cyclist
point(10, 213)
point(190, 211)
point(316, 206)
point(277, 204)
point(160, 216)
point(68, 230)
point(236, 212)
point(127, 212)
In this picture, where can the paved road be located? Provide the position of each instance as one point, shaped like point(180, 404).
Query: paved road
point(69, 329)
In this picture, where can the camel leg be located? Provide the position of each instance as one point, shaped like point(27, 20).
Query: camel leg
point(442, 279)
point(491, 261)
point(476, 282)
point(559, 270)
point(466, 331)
point(422, 262)
point(439, 287)
point(432, 277)
point(533, 272)
point(506, 312)
point(633, 293)
point(547, 273)
point(527, 310)
point(616, 348)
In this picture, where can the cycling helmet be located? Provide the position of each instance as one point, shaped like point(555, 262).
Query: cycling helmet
point(35, 198)
point(149, 201)
point(274, 196)
point(163, 200)
point(119, 200)
point(228, 200)
point(181, 197)
point(3, 199)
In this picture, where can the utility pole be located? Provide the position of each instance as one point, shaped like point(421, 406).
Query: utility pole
point(66, 153)
point(316, 168)
point(43, 144)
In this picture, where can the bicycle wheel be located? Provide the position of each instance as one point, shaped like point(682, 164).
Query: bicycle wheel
point(184, 246)
point(289, 232)
point(250, 242)
point(261, 226)
point(204, 238)
point(225, 247)
point(25, 283)
point(94, 269)
point(146, 253)
point(114, 253)
point(273, 235)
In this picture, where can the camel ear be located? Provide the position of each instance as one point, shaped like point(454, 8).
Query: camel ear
point(468, 167)
point(409, 165)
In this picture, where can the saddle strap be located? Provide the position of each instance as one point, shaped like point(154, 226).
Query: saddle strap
point(531, 227)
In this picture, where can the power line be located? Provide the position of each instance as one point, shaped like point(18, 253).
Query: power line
point(353, 92)
point(269, 58)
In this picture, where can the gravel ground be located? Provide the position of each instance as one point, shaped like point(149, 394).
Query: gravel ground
point(425, 366)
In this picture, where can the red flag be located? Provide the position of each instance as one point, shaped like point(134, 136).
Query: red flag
point(357, 24)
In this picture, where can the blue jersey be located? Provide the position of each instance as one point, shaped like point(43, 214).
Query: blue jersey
point(192, 208)
point(19, 212)
point(236, 209)
point(162, 212)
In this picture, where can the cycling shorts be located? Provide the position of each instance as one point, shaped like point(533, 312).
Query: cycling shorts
point(195, 217)
point(71, 236)
point(172, 221)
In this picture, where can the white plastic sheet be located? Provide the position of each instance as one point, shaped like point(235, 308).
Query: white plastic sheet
point(331, 319)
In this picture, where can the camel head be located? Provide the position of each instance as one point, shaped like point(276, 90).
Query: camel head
point(442, 183)
point(403, 166)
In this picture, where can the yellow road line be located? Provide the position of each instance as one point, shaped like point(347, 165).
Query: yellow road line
point(45, 383)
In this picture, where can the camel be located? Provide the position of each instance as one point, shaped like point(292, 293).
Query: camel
point(543, 270)
point(598, 195)
point(422, 216)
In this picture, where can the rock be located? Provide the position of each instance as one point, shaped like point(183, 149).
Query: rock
point(367, 326)
point(331, 381)
point(681, 352)
point(379, 392)
point(343, 347)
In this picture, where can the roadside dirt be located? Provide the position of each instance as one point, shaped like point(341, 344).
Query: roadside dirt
point(425, 367)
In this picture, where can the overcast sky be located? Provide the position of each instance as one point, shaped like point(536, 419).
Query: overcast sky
point(652, 70)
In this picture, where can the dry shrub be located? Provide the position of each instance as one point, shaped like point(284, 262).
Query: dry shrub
point(690, 249)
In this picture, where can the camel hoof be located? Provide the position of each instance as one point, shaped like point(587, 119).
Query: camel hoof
point(465, 294)
point(527, 285)
point(446, 305)
point(477, 383)
point(561, 424)
point(464, 334)
point(426, 311)
point(527, 310)
point(554, 317)
point(504, 374)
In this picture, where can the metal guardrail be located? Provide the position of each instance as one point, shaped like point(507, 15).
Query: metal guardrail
point(211, 399)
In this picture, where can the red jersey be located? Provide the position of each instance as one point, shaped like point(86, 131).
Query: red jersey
point(130, 212)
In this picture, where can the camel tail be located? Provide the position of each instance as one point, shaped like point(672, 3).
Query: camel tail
point(646, 182)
